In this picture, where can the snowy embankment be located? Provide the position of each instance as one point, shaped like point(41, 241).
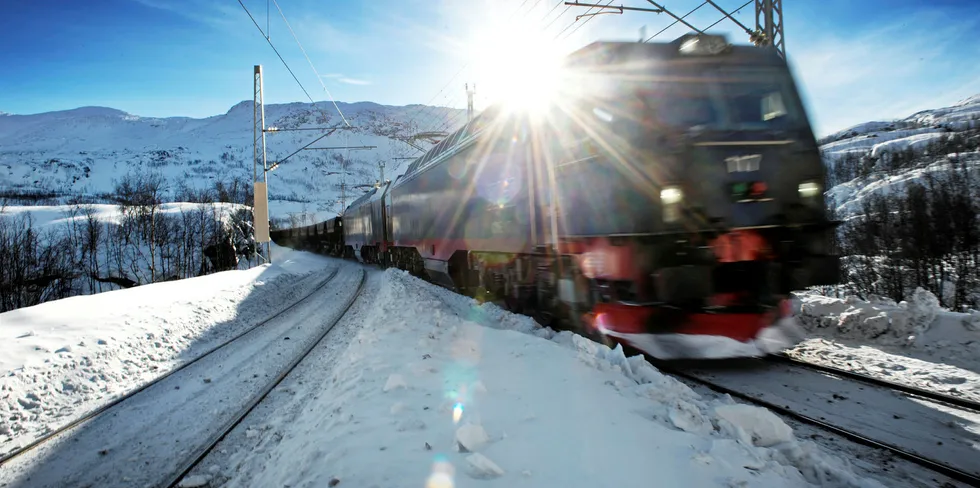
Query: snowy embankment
point(915, 343)
point(436, 390)
point(61, 359)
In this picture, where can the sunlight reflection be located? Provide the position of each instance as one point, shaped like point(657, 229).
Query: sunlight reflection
point(442, 474)
point(457, 412)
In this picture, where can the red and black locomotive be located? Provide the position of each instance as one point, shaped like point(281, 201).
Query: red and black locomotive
point(670, 197)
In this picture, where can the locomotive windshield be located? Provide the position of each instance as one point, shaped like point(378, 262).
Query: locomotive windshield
point(708, 100)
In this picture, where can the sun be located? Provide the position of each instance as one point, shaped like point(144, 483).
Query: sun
point(518, 67)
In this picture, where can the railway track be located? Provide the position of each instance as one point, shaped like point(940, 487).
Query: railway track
point(941, 467)
point(66, 455)
point(102, 409)
point(197, 457)
point(908, 390)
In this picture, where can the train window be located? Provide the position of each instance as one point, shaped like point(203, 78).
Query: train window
point(759, 97)
point(773, 106)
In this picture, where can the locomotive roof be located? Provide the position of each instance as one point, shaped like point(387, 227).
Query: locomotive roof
point(614, 52)
point(363, 198)
point(450, 141)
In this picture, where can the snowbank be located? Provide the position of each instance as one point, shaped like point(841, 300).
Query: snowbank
point(436, 390)
point(915, 342)
point(62, 358)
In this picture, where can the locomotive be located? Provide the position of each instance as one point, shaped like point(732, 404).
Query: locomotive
point(671, 198)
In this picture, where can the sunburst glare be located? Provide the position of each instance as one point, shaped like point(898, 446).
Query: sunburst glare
point(518, 66)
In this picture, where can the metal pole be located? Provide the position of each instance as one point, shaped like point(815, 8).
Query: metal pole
point(265, 163)
point(257, 128)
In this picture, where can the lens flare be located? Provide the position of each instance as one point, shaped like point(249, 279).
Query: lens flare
point(457, 412)
point(442, 474)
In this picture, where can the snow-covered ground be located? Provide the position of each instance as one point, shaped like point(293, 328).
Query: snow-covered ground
point(417, 386)
point(85, 150)
point(63, 358)
point(914, 343)
point(54, 216)
point(432, 389)
point(932, 430)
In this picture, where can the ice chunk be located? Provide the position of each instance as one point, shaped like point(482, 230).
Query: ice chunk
point(472, 437)
point(194, 481)
point(765, 427)
point(482, 467)
point(687, 417)
point(394, 382)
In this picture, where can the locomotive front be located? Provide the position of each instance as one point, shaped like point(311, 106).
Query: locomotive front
point(691, 194)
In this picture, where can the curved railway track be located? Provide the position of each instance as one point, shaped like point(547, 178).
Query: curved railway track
point(54, 434)
point(937, 466)
point(197, 457)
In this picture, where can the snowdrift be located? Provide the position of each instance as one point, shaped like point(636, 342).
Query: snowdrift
point(915, 342)
point(62, 358)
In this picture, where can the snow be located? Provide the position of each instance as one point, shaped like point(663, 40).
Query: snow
point(762, 426)
point(62, 358)
point(916, 343)
point(875, 139)
point(416, 385)
point(61, 215)
point(849, 195)
point(146, 437)
point(530, 407)
point(945, 434)
point(82, 151)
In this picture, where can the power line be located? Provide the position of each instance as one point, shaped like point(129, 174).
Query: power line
point(311, 63)
point(586, 20)
point(661, 31)
point(427, 109)
point(746, 4)
point(284, 63)
point(552, 10)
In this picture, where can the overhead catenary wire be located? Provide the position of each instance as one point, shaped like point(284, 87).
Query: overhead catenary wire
point(317, 73)
point(284, 63)
point(680, 19)
point(675, 22)
point(426, 111)
point(583, 23)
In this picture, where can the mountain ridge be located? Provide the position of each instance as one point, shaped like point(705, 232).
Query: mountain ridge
point(82, 151)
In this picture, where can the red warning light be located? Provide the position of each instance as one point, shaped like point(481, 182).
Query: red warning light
point(759, 188)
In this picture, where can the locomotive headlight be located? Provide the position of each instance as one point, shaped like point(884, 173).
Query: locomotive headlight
point(809, 189)
point(671, 195)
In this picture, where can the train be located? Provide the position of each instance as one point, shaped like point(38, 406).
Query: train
point(670, 198)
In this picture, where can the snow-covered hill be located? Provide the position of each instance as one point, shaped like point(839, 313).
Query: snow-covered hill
point(876, 146)
point(82, 151)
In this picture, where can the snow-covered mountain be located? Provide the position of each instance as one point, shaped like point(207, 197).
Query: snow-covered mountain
point(883, 156)
point(84, 150)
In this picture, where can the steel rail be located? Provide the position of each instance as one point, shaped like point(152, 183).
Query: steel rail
point(871, 380)
point(229, 426)
point(945, 469)
point(102, 409)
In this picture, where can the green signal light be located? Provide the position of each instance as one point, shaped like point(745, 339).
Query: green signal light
point(740, 188)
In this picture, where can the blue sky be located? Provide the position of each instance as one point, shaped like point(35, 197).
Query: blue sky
point(855, 60)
